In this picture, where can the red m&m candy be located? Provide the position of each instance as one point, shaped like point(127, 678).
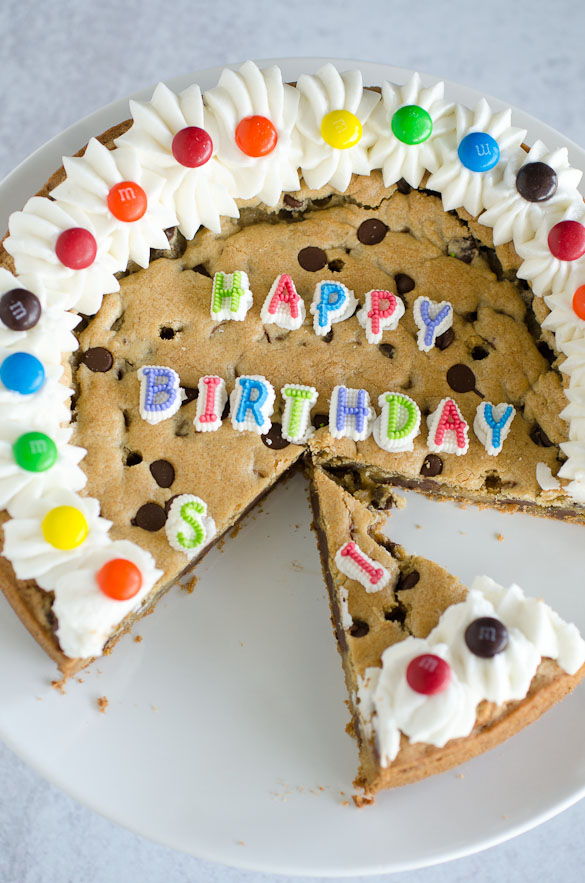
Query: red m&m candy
point(256, 136)
point(566, 240)
point(76, 248)
point(127, 201)
point(192, 147)
point(428, 674)
point(119, 579)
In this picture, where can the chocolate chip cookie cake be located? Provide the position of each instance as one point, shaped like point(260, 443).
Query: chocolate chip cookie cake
point(376, 282)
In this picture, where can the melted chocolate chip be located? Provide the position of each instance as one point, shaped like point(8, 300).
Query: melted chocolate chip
point(150, 517)
point(191, 393)
point(226, 410)
point(98, 359)
point(359, 628)
point(169, 503)
point(312, 258)
point(327, 338)
point(387, 350)
point(202, 270)
point(163, 472)
point(403, 187)
point(471, 317)
point(461, 378)
point(320, 420)
point(166, 333)
point(273, 439)
point(479, 352)
point(445, 339)
point(408, 581)
point(463, 249)
point(291, 201)
point(372, 231)
point(536, 182)
point(539, 437)
point(397, 614)
point(404, 283)
point(133, 458)
point(432, 465)
point(336, 266)
point(486, 637)
point(20, 309)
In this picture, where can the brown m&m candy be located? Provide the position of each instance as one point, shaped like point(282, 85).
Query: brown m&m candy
point(20, 309)
point(486, 637)
point(536, 181)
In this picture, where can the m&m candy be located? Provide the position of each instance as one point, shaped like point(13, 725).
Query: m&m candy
point(412, 124)
point(192, 147)
point(579, 302)
point(341, 129)
point(35, 451)
point(76, 248)
point(566, 240)
point(20, 309)
point(428, 674)
point(127, 201)
point(65, 527)
point(256, 136)
point(119, 579)
point(478, 152)
point(486, 637)
point(22, 372)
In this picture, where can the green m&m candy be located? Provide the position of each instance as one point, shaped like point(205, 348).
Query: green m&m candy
point(35, 451)
point(412, 124)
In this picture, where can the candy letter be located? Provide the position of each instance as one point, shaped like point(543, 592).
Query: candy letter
point(188, 526)
point(283, 306)
point(432, 319)
point(350, 414)
point(492, 424)
point(251, 404)
point(298, 401)
point(381, 312)
point(160, 393)
point(332, 302)
point(210, 403)
point(447, 429)
point(399, 422)
point(231, 296)
point(355, 564)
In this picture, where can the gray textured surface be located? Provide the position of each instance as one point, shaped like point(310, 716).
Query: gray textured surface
point(64, 59)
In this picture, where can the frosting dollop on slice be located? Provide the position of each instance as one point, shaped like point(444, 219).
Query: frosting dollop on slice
point(547, 273)
point(85, 615)
point(399, 159)
point(197, 195)
point(255, 95)
point(321, 94)
point(460, 185)
point(32, 242)
point(90, 179)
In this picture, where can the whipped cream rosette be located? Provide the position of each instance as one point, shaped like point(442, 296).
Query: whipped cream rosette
point(533, 185)
point(410, 123)
point(197, 194)
point(50, 399)
point(470, 164)
point(50, 336)
point(85, 615)
point(34, 236)
point(45, 446)
point(31, 553)
point(110, 185)
point(545, 263)
point(334, 122)
point(254, 114)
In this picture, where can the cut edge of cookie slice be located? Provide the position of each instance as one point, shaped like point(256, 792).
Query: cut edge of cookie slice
point(391, 611)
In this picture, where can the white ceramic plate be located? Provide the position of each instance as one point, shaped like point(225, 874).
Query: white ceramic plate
point(224, 734)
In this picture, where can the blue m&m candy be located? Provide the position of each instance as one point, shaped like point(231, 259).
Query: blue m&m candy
point(23, 373)
point(478, 151)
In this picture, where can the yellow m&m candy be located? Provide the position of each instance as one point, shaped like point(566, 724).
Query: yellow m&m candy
point(341, 129)
point(65, 527)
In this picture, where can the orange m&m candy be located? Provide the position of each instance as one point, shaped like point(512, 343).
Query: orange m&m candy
point(127, 201)
point(579, 302)
point(256, 136)
point(119, 579)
